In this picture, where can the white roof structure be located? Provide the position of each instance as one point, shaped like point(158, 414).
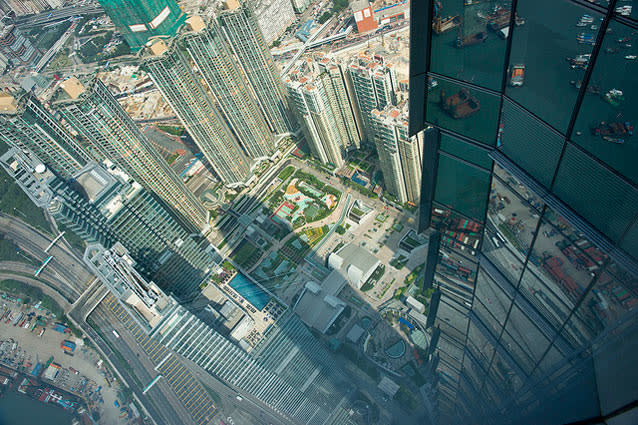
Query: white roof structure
point(355, 262)
point(318, 305)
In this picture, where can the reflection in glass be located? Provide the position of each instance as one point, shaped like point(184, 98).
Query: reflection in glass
point(613, 296)
point(461, 186)
point(529, 143)
point(554, 48)
point(511, 225)
point(468, 41)
point(469, 112)
point(457, 232)
point(609, 112)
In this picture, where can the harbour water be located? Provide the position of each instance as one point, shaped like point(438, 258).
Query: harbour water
point(19, 409)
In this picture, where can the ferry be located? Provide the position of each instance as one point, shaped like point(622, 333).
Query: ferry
point(517, 77)
point(630, 57)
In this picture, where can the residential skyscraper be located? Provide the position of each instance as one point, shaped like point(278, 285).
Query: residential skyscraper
point(141, 20)
point(342, 102)
point(26, 124)
point(106, 206)
point(530, 192)
point(399, 155)
point(244, 36)
point(207, 48)
point(171, 71)
point(318, 122)
point(110, 133)
point(375, 86)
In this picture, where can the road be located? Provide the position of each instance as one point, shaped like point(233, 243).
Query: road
point(56, 15)
point(163, 398)
point(66, 270)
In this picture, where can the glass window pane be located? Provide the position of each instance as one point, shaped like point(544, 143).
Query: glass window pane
point(511, 224)
point(470, 112)
point(465, 45)
point(456, 271)
point(479, 346)
point(528, 336)
point(601, 197)
point(452, 321)
point(612, 297)
point(494, 299)
point(545, 295)
point(457, 232)
point(484, 313)
point(523, 191)
point(502, 373)
point(462, 187)
point(466, 151)
point(530, 143)
point(630, 241)
point(611, 103)
point(520, 355)
point(541, 46)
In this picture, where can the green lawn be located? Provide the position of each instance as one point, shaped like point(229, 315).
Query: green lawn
point(286, 172)
point(246, 255)
point(14, 202)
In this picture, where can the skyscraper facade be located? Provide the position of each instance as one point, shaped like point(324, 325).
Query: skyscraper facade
point(106, 206)
point(532, 200)
point(342, 102)
point(313, 109)
point(375, 86)
point(289, 371)
point(140, 20)
point(399, 155)
point(110, 133)
point(171, 72)
point(242, 32)
point(26, 124)
point(207, 48)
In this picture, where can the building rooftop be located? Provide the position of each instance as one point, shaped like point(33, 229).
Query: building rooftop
point(72, 87)
point(318, 305)
point(356, 262)
point(94, 180)
point(195, 23)
point(8, 103)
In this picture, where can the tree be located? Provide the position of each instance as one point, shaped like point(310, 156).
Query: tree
point(324, 17)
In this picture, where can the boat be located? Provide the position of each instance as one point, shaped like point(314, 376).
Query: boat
point(611, 50)
point(432, 83)
point(614, 140)
point(471, 40)
point(614, 97)
point(518, 21)
point(630, 57)
point(580, 61)
point(461, 104)
point(517, 77)
point(439, 26)
point(591, 88)
point(586, 38)
point(586, 19)
point(471, 2)
point(593, 27)
point(499, 19)
point(613, 129)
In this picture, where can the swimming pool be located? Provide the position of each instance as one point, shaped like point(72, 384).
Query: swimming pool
point(251, 292)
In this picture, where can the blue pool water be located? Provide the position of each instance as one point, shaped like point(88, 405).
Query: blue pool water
point(251, 292)
point(355, 178)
